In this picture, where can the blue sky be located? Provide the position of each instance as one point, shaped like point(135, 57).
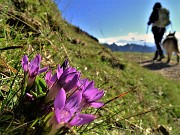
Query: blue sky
point(117, 21)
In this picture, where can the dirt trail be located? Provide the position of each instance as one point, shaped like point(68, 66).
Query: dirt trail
point(171, 70)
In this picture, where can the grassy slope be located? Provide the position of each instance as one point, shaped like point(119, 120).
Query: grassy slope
point(155, 99)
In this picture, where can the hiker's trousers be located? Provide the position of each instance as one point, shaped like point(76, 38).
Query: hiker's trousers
point(158, 35)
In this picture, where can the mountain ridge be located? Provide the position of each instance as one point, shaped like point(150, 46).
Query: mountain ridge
point(130, 48)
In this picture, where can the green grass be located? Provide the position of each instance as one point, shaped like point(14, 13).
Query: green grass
point(153, 102)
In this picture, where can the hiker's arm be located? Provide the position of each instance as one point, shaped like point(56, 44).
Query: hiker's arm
point(153, 17)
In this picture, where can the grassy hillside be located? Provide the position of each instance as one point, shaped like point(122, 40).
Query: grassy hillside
point(34, 26)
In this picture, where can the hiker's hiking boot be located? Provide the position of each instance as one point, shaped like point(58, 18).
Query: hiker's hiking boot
point(161, 57)
point(155, 56)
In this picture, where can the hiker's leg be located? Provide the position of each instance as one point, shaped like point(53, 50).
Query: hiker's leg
point(161, 33)
point(156, 39)
point(159, 51)
point(160, 36)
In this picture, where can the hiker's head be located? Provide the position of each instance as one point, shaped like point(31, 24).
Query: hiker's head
point(157, 5)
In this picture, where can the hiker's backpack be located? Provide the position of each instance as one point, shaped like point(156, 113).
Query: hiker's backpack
point(163, 19)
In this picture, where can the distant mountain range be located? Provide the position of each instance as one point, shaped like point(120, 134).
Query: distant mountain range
point(131, 48)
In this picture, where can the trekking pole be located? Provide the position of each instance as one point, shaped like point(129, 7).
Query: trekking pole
point(146, 35)
point(147, 29)
point(171, 27)
point(144, 42)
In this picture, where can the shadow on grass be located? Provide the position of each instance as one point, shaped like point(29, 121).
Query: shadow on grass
point(157, 66)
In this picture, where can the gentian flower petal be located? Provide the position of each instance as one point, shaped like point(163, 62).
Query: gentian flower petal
point(60, 99)
point(69, 70)
point(98, 95)
point(81, 119)
point(43, 70)
point(59, 71)
point(36, 61)
point(96, 104)
point(94, 94)
point(88, 85)
point(48, 78)
point(71, 81)
point(81, 83)
point(58, 115)
point(33, 70)
point(73, 101)
point(54, 78)
point(25, 63)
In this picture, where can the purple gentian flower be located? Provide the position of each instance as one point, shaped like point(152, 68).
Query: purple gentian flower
point(32, 68)
point(66, 79)
point(90, 94)
point(65, 110)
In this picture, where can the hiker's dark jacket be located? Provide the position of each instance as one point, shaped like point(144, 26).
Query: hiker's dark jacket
point(153, 17)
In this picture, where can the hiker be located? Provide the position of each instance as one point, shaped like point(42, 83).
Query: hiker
point(159, 19)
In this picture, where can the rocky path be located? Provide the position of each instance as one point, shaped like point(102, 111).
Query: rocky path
point(171, 70)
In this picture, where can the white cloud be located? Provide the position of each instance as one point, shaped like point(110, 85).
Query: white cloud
point(141, 39)
point(178, 35)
